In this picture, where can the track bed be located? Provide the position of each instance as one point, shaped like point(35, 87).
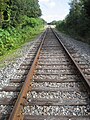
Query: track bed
point(56, 90)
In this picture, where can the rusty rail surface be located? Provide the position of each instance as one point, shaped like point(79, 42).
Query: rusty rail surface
point(17, 112)
point(78, 68)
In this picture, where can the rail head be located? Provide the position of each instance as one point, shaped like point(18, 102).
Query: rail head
point(17, 111)
point(78, 68)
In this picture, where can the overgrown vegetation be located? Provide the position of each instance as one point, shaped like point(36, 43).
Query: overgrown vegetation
point(77, 22)
point(19, 21)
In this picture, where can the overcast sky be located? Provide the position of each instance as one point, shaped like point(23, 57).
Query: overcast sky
point(54, 9)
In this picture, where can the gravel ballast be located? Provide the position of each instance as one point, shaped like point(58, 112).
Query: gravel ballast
point(83, 49)
point(11, 66)
point(10, 70)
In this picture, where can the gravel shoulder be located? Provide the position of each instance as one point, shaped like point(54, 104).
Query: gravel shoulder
point(12, 63)
point(83, 49)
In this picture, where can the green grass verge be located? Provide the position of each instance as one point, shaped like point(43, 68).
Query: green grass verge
point(12, 54)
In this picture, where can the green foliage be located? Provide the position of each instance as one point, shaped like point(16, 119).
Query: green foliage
point(33, 8)
point(19, 21)
point(52, 23)
point(14, 37)
point(87, 7)
point(12, 11)
point(60, 25)
point(77, 22)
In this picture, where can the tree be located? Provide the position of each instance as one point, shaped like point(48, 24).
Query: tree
point(12, 11)
point(87, 7)
point(77, 21)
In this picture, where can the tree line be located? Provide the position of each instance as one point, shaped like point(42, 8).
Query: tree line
point(77, 22)
point(19, 21)
point(13, 12)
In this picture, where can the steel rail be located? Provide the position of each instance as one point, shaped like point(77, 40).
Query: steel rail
point(17, 111)
point(78, 68)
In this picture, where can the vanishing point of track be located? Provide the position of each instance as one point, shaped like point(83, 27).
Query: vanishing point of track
point(53, 87)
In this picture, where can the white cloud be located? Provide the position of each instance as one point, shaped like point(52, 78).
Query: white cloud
point(52, 4)
point(48, 3)
point(53, 10)
point(44, 0)
point(49, 18)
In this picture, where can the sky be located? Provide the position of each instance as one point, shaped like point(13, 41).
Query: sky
point(54, 9)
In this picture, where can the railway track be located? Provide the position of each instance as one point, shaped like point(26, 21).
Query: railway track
point(52, 85)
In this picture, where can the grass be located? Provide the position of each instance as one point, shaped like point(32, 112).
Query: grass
point(12, 54)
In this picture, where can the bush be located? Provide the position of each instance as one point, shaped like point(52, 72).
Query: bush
point(14, 37)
